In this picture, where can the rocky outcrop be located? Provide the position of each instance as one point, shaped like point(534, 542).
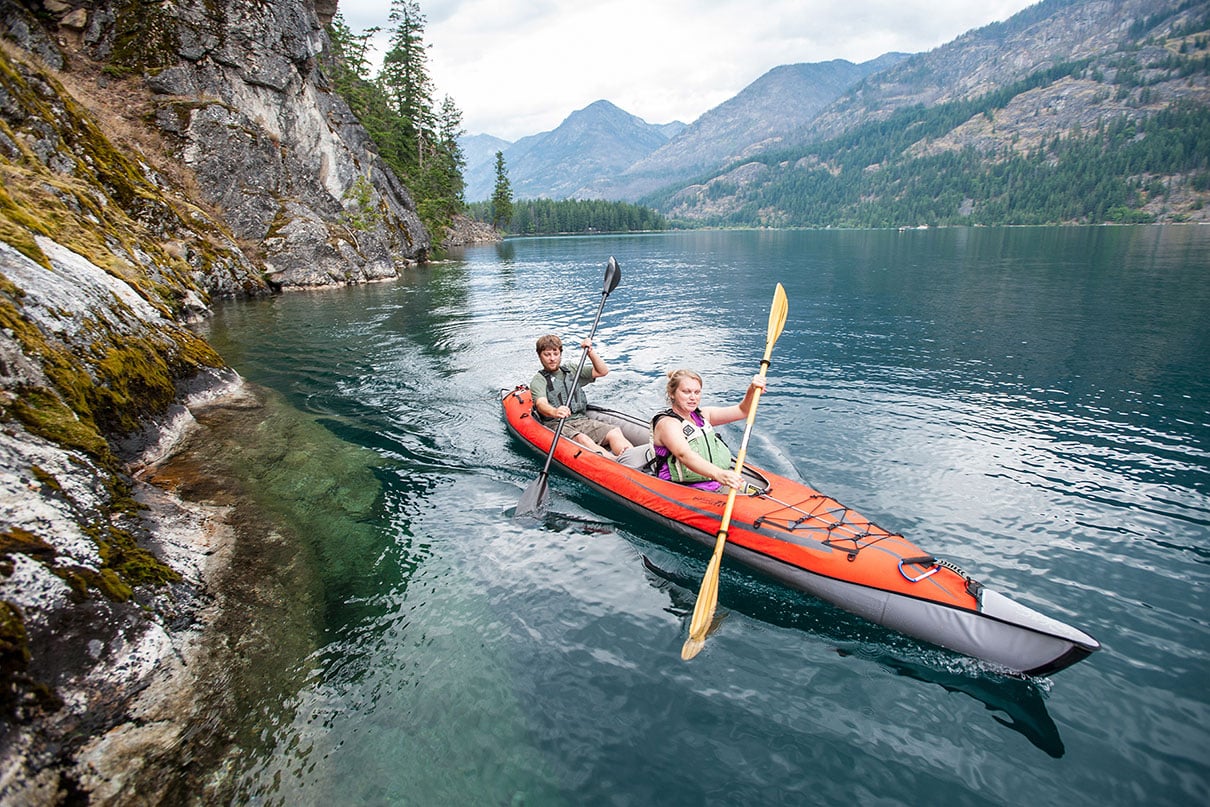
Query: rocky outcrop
point(153, 157)
point(465, 231)
point(251, 114)
point(236, 96)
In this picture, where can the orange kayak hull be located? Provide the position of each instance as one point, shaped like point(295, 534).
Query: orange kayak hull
point(794, 534)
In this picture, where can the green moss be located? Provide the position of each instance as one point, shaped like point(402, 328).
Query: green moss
point(10, 289)
point(112, 585)
point(18, 691)
point(43, 413)
point(134, 382)
point(106, 581)
point(124, 564)
point(16, 539)
point(196, 353)
point(136, 378)
point(122, 555)
point(106, 208)
point(17, 227)
point(144, 35)
point(46, 479)
point(14, 644)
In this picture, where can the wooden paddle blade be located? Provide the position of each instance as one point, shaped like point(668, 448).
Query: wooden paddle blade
point(533, 501)
point(777, 318)
point(703, 609)
point(691, 648)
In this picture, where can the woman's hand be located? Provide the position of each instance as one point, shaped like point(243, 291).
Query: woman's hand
point(729, 478)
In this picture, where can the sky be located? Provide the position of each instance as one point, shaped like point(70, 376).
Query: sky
point(520, 67)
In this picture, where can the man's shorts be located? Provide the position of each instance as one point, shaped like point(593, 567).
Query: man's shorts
point(595, 429)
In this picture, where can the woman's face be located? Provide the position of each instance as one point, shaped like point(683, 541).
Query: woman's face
point(687, 395)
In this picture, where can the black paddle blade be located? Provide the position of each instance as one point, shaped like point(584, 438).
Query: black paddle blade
point(613, 275)
point(533, 501)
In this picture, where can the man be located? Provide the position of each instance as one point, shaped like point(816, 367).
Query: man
point(553, 398)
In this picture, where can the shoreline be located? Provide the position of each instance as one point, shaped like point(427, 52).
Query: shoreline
point(152, 712)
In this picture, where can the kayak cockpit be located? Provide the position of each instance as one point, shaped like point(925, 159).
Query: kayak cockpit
point(638, 432)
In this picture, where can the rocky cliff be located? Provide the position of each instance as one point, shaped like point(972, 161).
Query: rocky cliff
point(154, 156)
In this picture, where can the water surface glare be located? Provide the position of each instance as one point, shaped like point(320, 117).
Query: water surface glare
point(1031, 403)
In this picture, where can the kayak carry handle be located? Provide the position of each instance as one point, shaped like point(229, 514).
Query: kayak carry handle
point(923, 560)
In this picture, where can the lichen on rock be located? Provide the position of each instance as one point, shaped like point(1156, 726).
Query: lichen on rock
point(154, 157)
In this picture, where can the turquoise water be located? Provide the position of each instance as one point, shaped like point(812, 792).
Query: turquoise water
point(1031, 403)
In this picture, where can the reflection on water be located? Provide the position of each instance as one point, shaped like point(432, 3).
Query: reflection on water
point(1019, 699)
point(1032, 403)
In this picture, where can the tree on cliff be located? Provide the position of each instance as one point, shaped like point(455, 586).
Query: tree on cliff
point(405, 81)
point(502, 197)
point(351, 64)
point(418, 141)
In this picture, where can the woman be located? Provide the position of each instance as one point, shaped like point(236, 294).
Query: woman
point(687, 449)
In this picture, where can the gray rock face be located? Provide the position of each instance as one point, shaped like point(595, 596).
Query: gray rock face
point(274, 148)
point(222, 166)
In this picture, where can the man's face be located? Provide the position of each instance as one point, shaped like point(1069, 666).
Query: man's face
point(551, 357)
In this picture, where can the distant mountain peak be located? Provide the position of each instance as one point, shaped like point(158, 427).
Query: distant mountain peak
point(599, 140)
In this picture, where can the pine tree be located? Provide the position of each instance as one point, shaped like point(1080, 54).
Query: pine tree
point(405, 82)
point(350, 71)
point(453, 162)
point(502, 197)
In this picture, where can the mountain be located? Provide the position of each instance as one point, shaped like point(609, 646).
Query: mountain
point(763, 114)
point(630, 162)
point(598, 140)
point(1070, 111)
point(985, 59)
point(1044, 113)
point(480, 150)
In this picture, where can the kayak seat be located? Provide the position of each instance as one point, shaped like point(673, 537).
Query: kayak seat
point(638, 457)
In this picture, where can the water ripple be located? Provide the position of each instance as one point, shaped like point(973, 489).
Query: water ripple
point(1033, 404)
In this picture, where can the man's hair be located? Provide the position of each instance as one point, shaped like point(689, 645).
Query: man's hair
point(548, 342)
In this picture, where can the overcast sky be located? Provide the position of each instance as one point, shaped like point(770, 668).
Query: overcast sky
point(519, 67)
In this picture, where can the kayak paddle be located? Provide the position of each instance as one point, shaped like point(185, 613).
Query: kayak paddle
point(534, 500)
point(707, 597)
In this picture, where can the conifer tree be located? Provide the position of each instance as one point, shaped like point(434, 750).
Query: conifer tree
point(502, 197)
point(405, 82)
point(350, 69)
point(419, 143)
point(453, 162)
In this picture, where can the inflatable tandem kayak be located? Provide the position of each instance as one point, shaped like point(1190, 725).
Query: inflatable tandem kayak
point(796, 535)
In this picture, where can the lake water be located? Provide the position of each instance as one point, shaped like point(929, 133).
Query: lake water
point(1031, 403)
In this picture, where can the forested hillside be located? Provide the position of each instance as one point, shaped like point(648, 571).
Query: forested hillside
point(1121, 134)
point(547, 216)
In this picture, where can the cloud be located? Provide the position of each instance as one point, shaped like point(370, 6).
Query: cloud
point(519, 68)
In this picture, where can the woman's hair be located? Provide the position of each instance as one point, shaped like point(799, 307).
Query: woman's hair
point(676, 378)
point(548, 342)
